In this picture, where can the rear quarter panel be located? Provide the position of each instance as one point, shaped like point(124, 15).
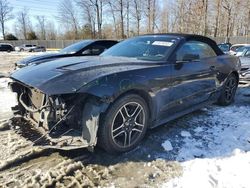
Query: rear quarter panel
point(227, 64)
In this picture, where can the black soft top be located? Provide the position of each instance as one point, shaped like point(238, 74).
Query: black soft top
point(189, 37)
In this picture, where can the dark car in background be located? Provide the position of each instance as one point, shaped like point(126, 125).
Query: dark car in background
point(82, 48)
point(138, 84)
point(6, 47)
point(225, 47)
point(38, 49)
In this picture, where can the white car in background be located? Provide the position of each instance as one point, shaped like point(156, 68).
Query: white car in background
point(240, 51)
point(30, 48)
point(237, 49)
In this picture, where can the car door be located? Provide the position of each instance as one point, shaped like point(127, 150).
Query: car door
point(193, 75)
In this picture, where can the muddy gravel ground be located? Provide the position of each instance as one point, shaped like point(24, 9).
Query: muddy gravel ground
point(149, 165)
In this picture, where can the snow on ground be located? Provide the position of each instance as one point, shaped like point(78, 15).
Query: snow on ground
point(167, 145)
point(217, 154)
point(7, 99)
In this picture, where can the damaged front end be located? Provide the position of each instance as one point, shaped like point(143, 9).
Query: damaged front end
point(66, 121)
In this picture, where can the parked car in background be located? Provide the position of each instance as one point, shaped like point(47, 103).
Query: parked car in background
point(240, 50)
point(4, 47)
point(25, 47)
point(38, 49)
point(138, 84)
point(225, 47)
point(82, 48)
point(245, 64)
point(236, 48)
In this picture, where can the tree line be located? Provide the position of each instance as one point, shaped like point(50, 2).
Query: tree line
point(125, 18)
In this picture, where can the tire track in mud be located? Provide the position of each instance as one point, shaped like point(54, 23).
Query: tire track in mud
point(22, 164)
point(28, 166)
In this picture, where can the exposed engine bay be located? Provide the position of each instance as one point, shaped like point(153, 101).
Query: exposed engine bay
point(57, 117)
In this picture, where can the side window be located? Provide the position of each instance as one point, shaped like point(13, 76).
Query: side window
point(94, 50)
point(194, 50)
point(6, 47)
point(97, 49)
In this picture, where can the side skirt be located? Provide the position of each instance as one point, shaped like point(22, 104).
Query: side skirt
point(182, 113)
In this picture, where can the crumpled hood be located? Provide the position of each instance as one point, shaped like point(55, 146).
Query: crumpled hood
point(67, 75)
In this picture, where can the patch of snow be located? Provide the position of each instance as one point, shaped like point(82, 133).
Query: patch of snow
point(167, 146)
point(198, 129)
point(228, 172)
point(4, 82)
point(185, 134)
point(218, 154)
point(7, 98)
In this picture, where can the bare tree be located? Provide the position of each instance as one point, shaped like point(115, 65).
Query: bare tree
point(88, 13)
point(42, 26)
point(5, 14)
point(218, 10)
point(68, 16)
point(121, 9)
point(23, 22)
point(112, 10)
point(51, 33)
point(205, 9)
point(97, 6)
point(127, 12)
point(137, 6)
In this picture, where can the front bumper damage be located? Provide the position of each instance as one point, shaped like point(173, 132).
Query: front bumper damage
point(65, 122)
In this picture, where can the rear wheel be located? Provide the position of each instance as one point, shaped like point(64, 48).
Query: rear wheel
point(228, 91)
point(125, 124)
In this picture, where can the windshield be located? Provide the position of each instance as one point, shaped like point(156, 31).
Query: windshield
point(75, 47)
point(151, 48)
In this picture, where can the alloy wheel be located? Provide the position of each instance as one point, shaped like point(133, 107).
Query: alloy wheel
point(230, 88)
point(128, 124)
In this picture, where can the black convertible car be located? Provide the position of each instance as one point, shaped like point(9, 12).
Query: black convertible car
point(82, 48)
point(112, 99)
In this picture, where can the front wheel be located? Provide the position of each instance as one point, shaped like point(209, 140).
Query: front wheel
point(124, 125)
point(228, 91)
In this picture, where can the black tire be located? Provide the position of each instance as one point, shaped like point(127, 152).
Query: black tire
point(228, 91)
point(21, 50)
point(115, 126)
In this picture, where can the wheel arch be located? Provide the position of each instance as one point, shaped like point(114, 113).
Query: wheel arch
point(144, 95)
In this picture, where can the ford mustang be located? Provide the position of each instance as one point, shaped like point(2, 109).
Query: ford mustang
point(111, 100)
point(82, 48)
